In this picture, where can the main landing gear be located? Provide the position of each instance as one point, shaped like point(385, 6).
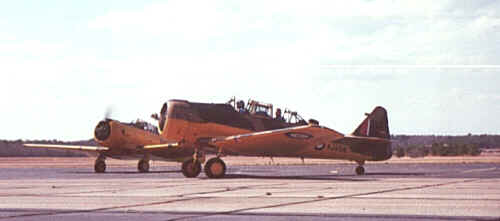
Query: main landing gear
point(100, 164)
point(214, 168)
point(360, 170)
point(143, 166)
point(191, 168)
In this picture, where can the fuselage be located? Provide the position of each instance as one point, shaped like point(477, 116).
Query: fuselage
point(124, 140)
point(191, 121)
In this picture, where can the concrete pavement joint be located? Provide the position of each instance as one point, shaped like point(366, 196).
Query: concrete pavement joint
point(232, 212)
point(100, 209)
point(141, 205)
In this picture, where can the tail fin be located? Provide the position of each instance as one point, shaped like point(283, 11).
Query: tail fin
point(374, 125)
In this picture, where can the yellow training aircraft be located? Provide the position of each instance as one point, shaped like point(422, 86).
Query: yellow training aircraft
point(189, 131)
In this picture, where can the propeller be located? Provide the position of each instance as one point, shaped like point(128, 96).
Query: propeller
point(103, 129)
point(108, 113)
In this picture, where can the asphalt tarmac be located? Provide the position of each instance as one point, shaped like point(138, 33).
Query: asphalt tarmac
point(299, 192)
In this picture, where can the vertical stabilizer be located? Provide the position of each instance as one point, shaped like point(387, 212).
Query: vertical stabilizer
point(374, 125)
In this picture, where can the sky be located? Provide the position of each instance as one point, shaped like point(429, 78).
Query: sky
point(434, 65)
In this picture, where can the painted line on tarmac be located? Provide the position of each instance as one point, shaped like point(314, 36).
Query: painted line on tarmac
point(479, 170)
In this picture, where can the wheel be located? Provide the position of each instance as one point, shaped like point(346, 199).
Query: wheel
point(100, 166)
point(215, 168)
point(191, 168)
point(143, 166)
point(360, 170)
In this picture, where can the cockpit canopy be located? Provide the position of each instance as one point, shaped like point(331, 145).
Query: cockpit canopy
point(143, 125)
point(261, 109)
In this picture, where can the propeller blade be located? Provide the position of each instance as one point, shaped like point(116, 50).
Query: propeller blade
point(108, 113)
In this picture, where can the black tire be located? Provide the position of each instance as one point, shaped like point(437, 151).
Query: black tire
point(191, 168)
point(100, 166)
point(360, 170)
point(143, 166)
point(215, 168)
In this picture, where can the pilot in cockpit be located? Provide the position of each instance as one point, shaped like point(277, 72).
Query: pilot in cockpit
point(278, 115)
point(240, 105)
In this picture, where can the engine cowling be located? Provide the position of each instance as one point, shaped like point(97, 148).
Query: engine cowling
point(102, 130)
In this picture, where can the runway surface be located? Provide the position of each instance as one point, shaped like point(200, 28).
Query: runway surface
point(298, 192)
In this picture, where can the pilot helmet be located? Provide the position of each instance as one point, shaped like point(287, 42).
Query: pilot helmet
point(240, 104)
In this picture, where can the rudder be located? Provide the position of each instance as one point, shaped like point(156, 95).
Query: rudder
point(375, 125)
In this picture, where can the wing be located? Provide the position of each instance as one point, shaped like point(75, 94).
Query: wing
point(170, 150)
point(168, 145)
point(292, 141)
point(68, 147)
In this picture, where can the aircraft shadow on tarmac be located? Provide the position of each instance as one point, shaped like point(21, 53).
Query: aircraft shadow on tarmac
point(395, 174)
point(345, 177)
point(306, 177)
point(127, 172)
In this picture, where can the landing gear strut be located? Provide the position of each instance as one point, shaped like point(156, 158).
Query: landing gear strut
point(143, 166)
point(100, 164)
point(215, 168)
point(360, 170)
point(191, 168)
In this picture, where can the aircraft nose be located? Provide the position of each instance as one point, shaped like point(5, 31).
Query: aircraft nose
point(102, 130)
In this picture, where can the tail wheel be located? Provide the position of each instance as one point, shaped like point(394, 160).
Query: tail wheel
point(100, 166)
point(143, 166)
point(215, 168)
point(191, 168)
point(360, 170)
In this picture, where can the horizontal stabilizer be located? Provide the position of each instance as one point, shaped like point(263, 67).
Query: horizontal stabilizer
point(68, 147)
point(354, 140)
point(376, 147)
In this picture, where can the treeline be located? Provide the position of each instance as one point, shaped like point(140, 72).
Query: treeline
point(16, 149)
point(403, 145)
point(420, 146)
point(438, 149)
point(483, 141)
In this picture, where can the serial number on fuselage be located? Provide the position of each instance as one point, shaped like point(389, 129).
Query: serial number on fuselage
point(335, 147)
